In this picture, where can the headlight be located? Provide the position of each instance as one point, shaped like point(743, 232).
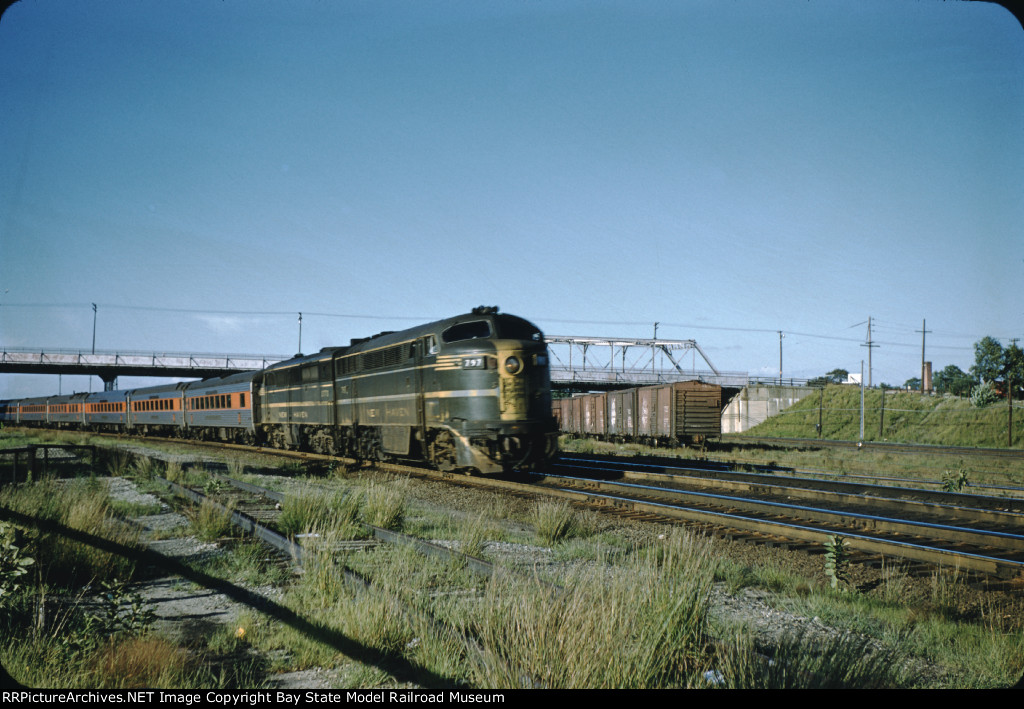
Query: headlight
point(513, 365)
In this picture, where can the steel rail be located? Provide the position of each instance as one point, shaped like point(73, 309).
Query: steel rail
point(974, 562)
point(806, 478)
point(388, 536)
point(1006, 540)
point(876, 498)
point(240, 519)
point(278, 541)
point(879, 445)
point(994, 566)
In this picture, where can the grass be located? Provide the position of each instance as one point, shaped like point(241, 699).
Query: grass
point(630, 616)
point(317, 509)
point(639, 625)
point(989, 653)
point(473, 534)
point(80, 504)
point(807, 458)
point(385, 503)
point(144, 661)
point(245, 562)
point(805, 662)
point(907, 417)
point(554, 522)
point(211, 521)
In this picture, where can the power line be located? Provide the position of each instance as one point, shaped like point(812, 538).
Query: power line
point(204, 311)
point(414, 318)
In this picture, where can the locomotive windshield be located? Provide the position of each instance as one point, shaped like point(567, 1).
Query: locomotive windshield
point(472, 330)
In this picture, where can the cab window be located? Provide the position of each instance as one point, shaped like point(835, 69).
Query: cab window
point(472, 330)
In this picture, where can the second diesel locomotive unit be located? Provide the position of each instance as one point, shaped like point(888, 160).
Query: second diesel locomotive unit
point(469, 392)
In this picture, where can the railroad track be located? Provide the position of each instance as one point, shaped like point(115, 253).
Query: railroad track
point(970, 532)
point(966, 532)
point(257, 518)
point(1010, 453)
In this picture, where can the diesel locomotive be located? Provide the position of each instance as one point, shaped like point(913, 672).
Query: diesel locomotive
point(472, 393)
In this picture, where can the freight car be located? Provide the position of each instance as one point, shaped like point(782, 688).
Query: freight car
point(471, 392)
point(665, 414)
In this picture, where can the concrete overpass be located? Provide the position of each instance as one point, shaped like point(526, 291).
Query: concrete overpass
point(578, 363)
point(108, 366)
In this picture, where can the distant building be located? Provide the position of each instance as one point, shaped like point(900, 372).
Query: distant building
point(853, 379)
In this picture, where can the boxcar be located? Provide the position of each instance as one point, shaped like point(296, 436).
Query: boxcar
point(621, 419)
point(677, 413)
point(594, 415)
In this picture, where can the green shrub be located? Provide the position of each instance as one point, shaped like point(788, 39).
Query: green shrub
point(984, 395)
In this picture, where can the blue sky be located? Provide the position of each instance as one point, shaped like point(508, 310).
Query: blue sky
point(205, 170)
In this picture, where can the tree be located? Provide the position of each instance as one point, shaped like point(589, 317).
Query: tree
point(953, 380)
point(913, 384)
point(994, 363)
point(989, 360)
point(836, 376)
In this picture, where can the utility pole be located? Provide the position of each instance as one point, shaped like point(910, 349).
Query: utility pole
point(881, 418)
point(93, 338)
point(654, 353)
point(924, 331)
point(862, 398)
point(300, 334)
point(1009, 399)
point(780, 356)
point(821, 403)
point(870, 345)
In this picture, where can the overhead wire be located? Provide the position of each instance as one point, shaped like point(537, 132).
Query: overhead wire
point(884, 325)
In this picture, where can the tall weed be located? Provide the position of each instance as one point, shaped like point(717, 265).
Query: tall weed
point(385, 503)
point(805, 662)
point(82, 506)
point(308, 510)
point(210, 520)
point(639, 626)
point(554, 521)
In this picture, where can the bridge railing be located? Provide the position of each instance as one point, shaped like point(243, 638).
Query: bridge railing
point(562, 375)
point(177, 360)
